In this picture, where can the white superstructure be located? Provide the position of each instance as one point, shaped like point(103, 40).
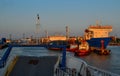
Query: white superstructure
point(97, 31)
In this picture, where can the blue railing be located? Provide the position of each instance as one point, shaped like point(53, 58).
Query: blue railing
point(5, 56)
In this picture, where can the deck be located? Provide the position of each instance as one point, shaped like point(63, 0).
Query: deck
point(34, 66)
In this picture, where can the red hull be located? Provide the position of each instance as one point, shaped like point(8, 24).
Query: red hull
point(55, 49)
point(82, 52)
point(71, 50)
point(58, 49)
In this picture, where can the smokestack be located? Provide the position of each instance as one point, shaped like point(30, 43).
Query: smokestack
point(67, 32)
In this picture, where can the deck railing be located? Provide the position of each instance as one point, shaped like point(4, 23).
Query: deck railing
point(65, 72)
point(99, 72)
point(84, 70)
point(5, 56)
point(90, 71)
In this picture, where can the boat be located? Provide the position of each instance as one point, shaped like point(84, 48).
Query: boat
point(102, 51)
point(97, 36)
point(83, 49)
point(72, 47)
point(54, 43)
point(69, 46)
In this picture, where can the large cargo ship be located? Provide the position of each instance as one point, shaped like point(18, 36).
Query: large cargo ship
point(96, 35)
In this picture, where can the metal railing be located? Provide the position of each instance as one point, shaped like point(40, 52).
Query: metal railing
point(5, 56)
point(99, 72)
point(90, 71)
point(84, 70)
point(65, 72)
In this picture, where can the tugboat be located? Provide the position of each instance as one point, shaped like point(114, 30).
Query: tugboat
point(102, 51)
point(83, 49)
point(72, 47)
point(52, 45)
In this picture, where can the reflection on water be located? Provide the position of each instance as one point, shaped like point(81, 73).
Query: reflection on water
point(109, 63)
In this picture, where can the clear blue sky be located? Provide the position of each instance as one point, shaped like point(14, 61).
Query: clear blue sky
point(19, 16)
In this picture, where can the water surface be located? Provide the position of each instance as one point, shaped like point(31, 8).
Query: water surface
point(110, 62)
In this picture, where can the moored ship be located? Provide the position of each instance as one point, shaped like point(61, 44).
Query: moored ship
point(98, 36)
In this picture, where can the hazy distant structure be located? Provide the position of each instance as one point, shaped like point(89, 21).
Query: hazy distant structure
point(67, 32)
point(10, 36)
point(37, 29)
point(38, 24)
point(23, 35)
point(97, 22)
point(46, 33)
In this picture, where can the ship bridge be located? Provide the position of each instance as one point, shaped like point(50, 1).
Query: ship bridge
point(98, 31)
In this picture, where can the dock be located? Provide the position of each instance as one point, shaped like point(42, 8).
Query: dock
point(34, 66)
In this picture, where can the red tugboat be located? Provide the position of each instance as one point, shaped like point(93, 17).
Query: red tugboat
point(72, 47)
point(83, 49)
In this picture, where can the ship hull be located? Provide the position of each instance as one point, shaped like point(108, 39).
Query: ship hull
point(96, 42)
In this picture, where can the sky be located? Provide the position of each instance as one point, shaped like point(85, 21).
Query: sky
point(18, 17)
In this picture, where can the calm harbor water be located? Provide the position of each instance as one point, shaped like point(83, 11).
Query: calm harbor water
point(110, 63)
